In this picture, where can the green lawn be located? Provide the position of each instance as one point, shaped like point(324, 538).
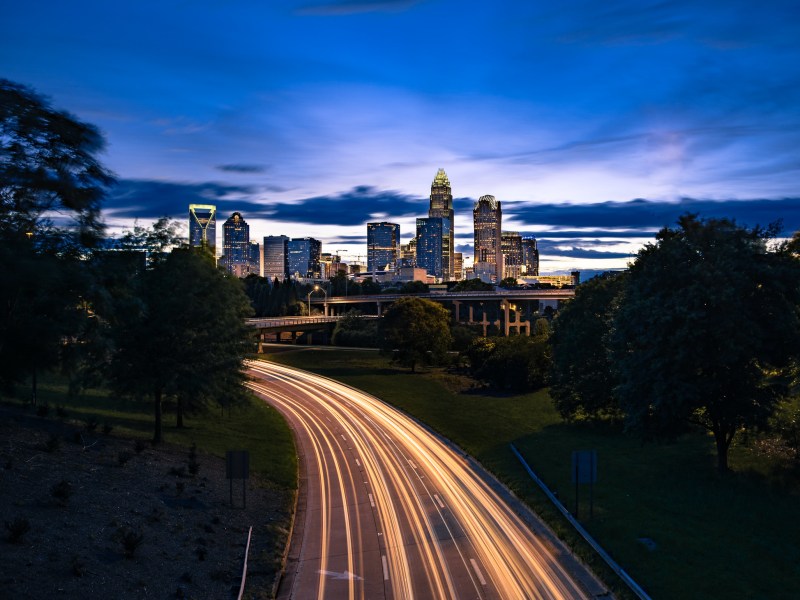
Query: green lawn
point(254, 426)
point(715, 537)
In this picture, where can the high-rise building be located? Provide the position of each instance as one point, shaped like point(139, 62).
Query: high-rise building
point(511, 246)
point(441, 206)
point(304, 258)
point(383, 244)
point(458, 266)
point(530, 257)
point(276, 257)
point(237, 252)
point(432, 235)
point(487, 218)
point(203, 226)
point(408, 253)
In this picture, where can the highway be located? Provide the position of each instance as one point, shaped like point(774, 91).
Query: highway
point(389, 510)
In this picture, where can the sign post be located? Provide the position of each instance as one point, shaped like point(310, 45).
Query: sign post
point(584, 470)
point(237, 466)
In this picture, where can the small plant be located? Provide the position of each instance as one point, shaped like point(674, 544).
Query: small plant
point(90, 424)
point(61, 412)
point(53, 443)
point(130, 540)
point(62, 492)
point(107, 428)
point(17, 529)
point(138, 446)
point(123, 456)
point(42, 410)
point(194, 466)
point(78, 566)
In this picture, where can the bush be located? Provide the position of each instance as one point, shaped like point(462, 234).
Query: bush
point(123, 456)
point(194, 466)
point(62, 492)
point(130, 541)
point(17, 529)
point(107, 428)
point(53, 443)
point(138, 446)
point(90, 424)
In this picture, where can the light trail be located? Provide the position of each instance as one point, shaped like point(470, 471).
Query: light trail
point(398, 509)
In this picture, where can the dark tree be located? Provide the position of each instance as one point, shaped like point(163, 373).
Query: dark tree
point(48, 166)
point(188, 340)
point(415, 330)
point(472, 285)
point(582, 380)
point(708, 320)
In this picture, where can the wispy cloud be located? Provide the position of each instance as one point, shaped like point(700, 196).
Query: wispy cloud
point(351, 7)
point(245, 169)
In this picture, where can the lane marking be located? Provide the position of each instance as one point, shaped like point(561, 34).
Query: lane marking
point(439, 500)
point(344, 438)
point(477, 571)
point(371, 501)
point(358, 462)
point(385, 568)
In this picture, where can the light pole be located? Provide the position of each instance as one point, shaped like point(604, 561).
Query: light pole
point(316, 289)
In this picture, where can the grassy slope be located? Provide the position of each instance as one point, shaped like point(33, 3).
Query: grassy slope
point(255, 427)
point(730, 537)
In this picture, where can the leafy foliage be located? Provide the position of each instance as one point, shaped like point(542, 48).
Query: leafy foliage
point(517, 363)
point(188, 338)
point(583, 381)
point(415, 330)
point(472, 285)
point(352, 330)
point(685, 343)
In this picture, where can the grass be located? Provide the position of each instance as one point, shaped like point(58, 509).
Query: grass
point(733, 536)
point(253, 426)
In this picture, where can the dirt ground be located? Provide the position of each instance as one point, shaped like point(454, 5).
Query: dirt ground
point(192, 541)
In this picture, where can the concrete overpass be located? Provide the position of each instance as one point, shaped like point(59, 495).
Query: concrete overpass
point(504, 309)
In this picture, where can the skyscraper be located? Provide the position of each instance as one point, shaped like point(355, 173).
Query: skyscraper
point(487, 218)
point(432, 235)
point(511, 245)
point(276, 257)
point(383, 243)
point(236, 256)
point(304, 257)
point(203, 226)
point(530, 257)
point(441, 206)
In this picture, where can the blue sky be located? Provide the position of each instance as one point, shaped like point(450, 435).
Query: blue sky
point(594, 124)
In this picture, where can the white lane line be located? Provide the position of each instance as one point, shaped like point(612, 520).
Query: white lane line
point(344, 438)
point(385, 568)
point(371, 501)
point(439, 500)
point(477, 571)
point(358, 462)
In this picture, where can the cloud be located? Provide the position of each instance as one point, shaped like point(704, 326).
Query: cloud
point(351, 7)
point(242, 168)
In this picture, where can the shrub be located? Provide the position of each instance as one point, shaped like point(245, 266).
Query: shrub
point(62, 492)
point(53, 443)
point(107, 428)
point(17, 529)
point(123, 456)
point(90, 424)
point(138, 446)
point(130, 541)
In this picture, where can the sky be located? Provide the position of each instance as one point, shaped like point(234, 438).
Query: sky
point(594, 124)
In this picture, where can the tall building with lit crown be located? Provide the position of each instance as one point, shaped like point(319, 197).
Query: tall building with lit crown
point(276, 257)
point(511, 245)
point(487, 218)
point(530, 257)
point(203, 226)
point(304, 258)
point(441, 206)
point(432, 235)
point(383, 245)
point(237, 255)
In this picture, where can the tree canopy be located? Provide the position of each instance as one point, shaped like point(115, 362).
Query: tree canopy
point(582, 382)
point(415, 330)
point(708, 319)
point(188, 339)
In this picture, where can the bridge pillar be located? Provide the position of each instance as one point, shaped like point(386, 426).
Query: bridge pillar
point(506, 309)
point(379, 308)
point(260, 338)
point(471, 320)
point(457, 304)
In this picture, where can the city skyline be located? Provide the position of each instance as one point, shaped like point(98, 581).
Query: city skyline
point(594, 125)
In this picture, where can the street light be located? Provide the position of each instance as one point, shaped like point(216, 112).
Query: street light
point(316, 289)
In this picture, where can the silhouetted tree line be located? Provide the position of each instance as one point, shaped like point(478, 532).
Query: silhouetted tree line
point(132, 313)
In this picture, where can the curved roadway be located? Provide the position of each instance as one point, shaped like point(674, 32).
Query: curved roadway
point(388, 510)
